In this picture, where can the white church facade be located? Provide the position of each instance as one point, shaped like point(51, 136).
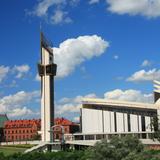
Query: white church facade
point(114, 116)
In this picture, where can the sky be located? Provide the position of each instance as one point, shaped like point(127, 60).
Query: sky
point(103, 48)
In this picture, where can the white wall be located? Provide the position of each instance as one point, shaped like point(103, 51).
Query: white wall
point(148, 123)
point(140, 123)
point(125, 122)
point(107, 123)
point(120, 122)
point(112, 128)
point(134, 123)
point(91, 120)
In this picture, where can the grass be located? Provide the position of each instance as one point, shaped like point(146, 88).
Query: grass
point(11, 149)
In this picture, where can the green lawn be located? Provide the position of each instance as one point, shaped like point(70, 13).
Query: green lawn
point(11, 150)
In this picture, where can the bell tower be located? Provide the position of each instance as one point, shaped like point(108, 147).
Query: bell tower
point(47, 71)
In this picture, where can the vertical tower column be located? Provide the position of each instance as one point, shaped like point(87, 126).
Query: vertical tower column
point(47, 71)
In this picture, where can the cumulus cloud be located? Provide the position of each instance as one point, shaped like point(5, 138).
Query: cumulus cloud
point(129, 95)
point(45, 9)
point(93, 1)
point(146, 63)
point(143, 75)
point(148, 8)
point(43, 6)
point(15, 105)
point(60, 17)
point(3, 72)
point(71, 105)
point(21, 70)
point(72, 52)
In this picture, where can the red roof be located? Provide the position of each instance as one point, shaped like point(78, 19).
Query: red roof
point(63, 121)
point(21, 123)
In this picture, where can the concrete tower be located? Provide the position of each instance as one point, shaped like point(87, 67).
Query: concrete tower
point(47, 71)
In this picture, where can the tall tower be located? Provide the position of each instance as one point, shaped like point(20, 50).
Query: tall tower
point(47, 71)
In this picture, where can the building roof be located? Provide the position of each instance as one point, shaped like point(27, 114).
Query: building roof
point(117, 103)
point(3, 118)
point(63, 121)
point(22, 123)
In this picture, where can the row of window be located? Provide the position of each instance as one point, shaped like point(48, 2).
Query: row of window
point(18, 131)
point(20, 125)
point(19, 137)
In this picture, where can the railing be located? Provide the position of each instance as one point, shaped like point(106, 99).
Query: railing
point(108, 136)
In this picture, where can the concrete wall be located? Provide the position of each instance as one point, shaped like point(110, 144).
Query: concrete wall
point(104, 121)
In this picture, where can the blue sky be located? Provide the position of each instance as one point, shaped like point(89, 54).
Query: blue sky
point(109, 49)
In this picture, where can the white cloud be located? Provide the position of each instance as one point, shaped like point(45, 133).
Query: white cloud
point(93, 1)
point(37, 78)
point(21, 70)
point(143, 75)
point(45, 9)
point(22, 112)
point(129, 95)
point(15, 105)
point(146, 63)
point(60, 17)
point(3, 72)
point(148, 8)
point(42, 7)
point(72, 52)
point(71, 105)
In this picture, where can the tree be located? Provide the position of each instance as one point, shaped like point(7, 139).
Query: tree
point(155, 126)
point(117, 149)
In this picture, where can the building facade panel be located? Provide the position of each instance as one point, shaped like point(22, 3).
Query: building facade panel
point(120, 122)
point(107, 123)
point(125, 122)
point(148, 123)
point(140, 123)
point(134, 123)
point(93, 118)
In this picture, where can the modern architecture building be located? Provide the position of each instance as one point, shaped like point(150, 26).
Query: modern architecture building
point(111, 116)
point(47, 71)
point(114, 116)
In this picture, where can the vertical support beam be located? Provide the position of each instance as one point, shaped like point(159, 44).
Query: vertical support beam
point(158, 115)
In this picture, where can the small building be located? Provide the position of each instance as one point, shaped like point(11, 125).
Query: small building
point(3, 119)
point(67, 125)
point(21, 130)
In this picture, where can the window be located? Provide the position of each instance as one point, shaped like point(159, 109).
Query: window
point(51, 69)
point(129, 122)
point(143, 123)
point(41, 69)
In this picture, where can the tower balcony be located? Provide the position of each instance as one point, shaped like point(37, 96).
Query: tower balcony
point(49, 69)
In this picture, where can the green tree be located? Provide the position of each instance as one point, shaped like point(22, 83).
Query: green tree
point(116, 149)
